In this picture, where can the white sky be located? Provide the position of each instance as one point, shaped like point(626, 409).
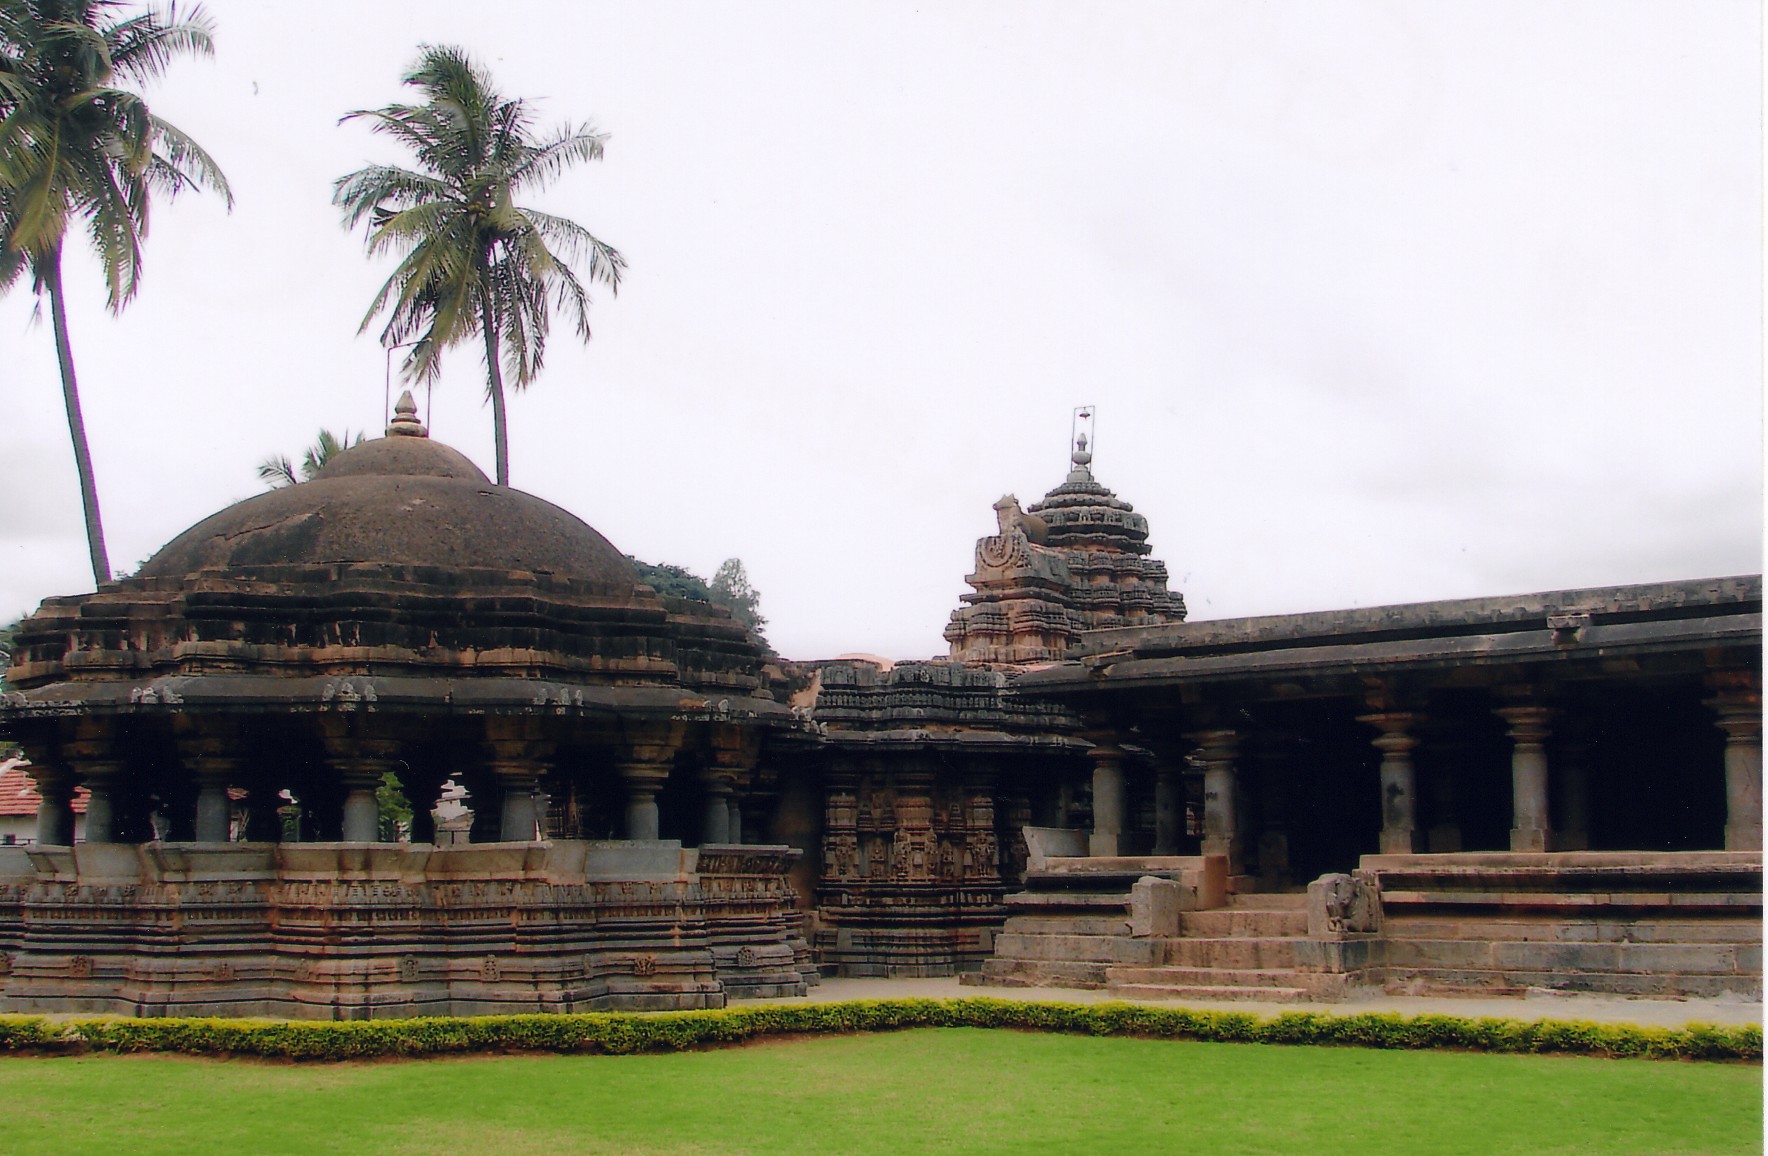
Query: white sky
point(1378, 301)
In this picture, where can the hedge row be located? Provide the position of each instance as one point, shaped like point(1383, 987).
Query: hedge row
point(610, 1033)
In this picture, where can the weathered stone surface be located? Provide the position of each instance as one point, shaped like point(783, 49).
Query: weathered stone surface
point(365, 931)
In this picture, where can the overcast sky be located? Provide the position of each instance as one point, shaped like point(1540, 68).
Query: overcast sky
point(1378, 302)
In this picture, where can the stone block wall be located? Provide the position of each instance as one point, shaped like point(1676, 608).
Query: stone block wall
point(361, 931)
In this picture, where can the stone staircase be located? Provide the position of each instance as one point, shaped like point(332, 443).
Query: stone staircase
point(1244, 951)
point(1065, 936)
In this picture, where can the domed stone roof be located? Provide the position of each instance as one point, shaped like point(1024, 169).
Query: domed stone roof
point(399, 559)
point(1083, 515)
point(402, 499)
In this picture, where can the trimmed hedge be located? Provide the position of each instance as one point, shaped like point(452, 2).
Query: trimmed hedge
point(614, 1033)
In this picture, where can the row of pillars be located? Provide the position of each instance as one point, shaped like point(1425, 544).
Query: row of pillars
point(1738, 710)
point(519, 781)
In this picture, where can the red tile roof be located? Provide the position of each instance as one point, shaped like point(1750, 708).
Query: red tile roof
point(18, 795)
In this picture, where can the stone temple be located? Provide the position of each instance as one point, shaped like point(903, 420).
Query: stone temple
point(1557, 790)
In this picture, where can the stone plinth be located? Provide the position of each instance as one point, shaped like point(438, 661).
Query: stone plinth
point(370, 930)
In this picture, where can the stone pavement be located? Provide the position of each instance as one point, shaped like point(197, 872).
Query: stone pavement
point(1535, 1006)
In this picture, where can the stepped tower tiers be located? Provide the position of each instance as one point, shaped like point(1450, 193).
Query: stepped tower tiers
point(1076, 561)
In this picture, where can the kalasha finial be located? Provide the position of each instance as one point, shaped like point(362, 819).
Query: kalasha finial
point(1081, 457)
point(405, 423)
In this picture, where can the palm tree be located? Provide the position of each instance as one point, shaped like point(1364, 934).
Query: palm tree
point(72, 144)
point(278, 471)
point(472, 262)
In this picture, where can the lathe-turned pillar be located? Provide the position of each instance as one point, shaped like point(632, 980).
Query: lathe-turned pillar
point(1108, 800)
point(1399, 787)
point(1530, 828)
point(1738, 711)
point(1217, 749)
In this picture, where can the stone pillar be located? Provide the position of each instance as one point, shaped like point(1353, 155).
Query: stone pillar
point(55, 812)
point(1169, 811)
point(1399, 788)
point(518, 780)
point(716, 826)
point(101, 813)
point(1108, 800)
point(1739, 711)
point(1221, 820)
point(734, 828)
point(214, 811)
point(1530, 829)
point(362, 811)
point(643, 781)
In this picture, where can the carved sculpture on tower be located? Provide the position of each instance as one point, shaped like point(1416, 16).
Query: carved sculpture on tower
point(1078, 560)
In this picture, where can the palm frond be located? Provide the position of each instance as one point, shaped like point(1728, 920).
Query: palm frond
point(277, 472)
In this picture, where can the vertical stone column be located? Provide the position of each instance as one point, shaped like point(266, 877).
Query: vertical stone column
point(643, 780)
point(1399, 788)
point(518, 780)
point(361, 778)
point(214, 812)
point(734, 826)
point(100, 777)
point(715, 827)
point(1530, 829)
point(1738, 708)
point(1108, 800)
point(1169, 810)
point(55, 812)
point(1221, 820)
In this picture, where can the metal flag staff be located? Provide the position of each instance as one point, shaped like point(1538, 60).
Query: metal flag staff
point(1082, 436)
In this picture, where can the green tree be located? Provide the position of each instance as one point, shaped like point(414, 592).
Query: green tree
point(472, 262)
point(278, 471)
point(730, 588)
point(672, 581)
point(73, 144)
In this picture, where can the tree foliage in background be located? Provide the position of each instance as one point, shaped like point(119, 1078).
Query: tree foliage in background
point(672, 581)
point(75, 145)
point(730, 588)
point(278, 471)
point(473, 263)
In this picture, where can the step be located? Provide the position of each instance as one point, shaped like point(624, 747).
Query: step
point(1238, 951)
point(1079, 948)
point(1270, 901)
point(1052, 924)
point(1037, 973)
point(1204, 976)
point(1038, 900)
point(1225, 922)
point(1208, 993)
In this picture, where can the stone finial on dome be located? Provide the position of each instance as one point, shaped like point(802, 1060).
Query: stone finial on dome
point(1082, 457)
point(405, 423)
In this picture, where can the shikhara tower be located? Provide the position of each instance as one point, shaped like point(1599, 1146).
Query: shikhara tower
point(1078, 560)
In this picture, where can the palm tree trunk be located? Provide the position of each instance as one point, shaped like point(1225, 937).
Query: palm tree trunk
point(494, 386)
point(70, 394)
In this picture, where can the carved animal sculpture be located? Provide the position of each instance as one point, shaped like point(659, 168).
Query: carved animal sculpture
point(1009, 517)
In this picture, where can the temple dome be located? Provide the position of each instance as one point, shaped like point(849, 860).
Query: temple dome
point(404, 500)
point(1081, 514)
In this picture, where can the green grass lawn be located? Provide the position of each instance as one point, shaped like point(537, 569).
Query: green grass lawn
point(950, 1089)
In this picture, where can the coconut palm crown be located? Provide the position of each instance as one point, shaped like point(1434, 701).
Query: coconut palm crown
point(473, 263)
point(75, 143)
